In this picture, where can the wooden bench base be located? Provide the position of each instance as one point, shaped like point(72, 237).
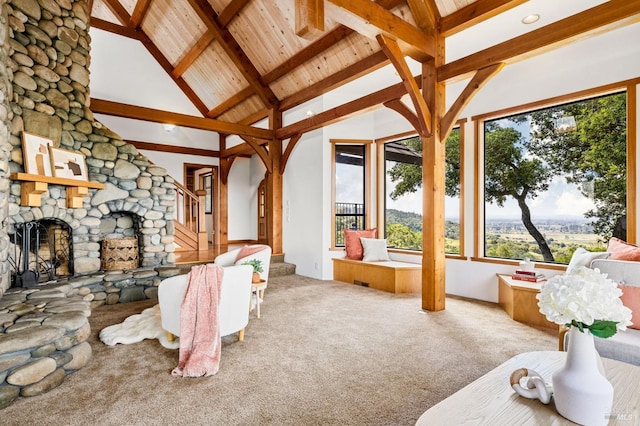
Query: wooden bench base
point(391, 276)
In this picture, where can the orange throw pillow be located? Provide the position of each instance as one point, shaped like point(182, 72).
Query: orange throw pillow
point(631, 299)
point(352, 243)
point(621, 250)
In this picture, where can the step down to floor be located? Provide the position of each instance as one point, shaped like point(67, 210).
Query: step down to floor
point(280, 269)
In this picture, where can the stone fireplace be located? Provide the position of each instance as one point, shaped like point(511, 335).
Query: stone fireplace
point(46, 92)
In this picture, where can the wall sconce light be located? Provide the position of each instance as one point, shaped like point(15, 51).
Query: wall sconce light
point(168, 127)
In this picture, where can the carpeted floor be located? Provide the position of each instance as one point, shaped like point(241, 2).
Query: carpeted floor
point(323, 353)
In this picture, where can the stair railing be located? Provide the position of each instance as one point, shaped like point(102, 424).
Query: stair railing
point(190, 208)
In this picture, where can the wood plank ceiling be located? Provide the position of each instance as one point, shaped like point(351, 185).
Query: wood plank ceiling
point(238, 59)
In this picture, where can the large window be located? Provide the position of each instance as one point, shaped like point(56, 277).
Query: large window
point(403, 193)
point(350, 189)
point(556, 179)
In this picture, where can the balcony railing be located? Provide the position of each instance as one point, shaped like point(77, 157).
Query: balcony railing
point(348, 216)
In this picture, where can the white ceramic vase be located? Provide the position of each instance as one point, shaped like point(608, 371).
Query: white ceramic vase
point(580, 391)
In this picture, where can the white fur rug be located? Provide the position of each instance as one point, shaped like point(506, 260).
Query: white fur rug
point(136, 328)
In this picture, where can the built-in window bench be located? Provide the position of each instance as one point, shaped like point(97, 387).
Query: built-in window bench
point(35, 185)
point(391, 276)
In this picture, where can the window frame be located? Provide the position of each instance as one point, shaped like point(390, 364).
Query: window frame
point(628, 86)
point(367, 143)
point(381, 187)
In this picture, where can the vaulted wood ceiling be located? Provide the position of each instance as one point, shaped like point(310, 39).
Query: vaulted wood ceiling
point(238, 59)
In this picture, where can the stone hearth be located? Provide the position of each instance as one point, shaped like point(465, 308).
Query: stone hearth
point(44, 329)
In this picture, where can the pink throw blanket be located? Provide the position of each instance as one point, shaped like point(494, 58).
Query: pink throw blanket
point(200, 338)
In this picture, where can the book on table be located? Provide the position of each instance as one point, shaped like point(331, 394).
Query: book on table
point(532, 278)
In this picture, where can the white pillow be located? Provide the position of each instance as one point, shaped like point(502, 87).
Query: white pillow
point(375, 249)
point(582, 257)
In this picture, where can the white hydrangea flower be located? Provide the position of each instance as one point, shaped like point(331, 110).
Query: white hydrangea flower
point(586, 298)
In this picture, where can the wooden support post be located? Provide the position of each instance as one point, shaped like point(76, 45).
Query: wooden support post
point(433, 187)
point(274, 188)
point(223, 212)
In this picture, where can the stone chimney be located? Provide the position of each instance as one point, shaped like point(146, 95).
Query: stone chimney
point(44, 90)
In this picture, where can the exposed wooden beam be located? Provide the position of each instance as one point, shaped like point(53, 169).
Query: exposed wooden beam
point(342, 112)
point(309, 52)
point(371, 19)
point(190, 57)
point(312, 50)
point(168, 68)
point(425, 14)
point(288, 150)
point(262, 153)
point(317, 47)
point(174, 149)
point(119, 11)
point(393, 52)
point(115, 28)
point(614, 13)
point(225, 168)
point(139, 12)
point(233, 8)
point(234, 51)
point(240, 150)
point(398, 106)
point(229, 103)
point(474, 13)
point(352, 72)
point(479, 79)
point(117, 109)
point(309, 18)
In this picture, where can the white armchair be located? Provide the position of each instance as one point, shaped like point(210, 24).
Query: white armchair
point(233, 310)
point(262, 253)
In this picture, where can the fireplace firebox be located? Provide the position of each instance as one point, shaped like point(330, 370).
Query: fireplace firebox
point(40, 251)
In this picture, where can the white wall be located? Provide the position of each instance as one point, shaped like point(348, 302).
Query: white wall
point(304, 201)
point(241, 193)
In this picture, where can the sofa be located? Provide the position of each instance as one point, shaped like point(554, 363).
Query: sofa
point(624, 345)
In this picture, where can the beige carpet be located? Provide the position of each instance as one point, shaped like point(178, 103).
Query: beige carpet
point(323, 353)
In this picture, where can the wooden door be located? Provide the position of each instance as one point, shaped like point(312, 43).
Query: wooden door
point(262, 212)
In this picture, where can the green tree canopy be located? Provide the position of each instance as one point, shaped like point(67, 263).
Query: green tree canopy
point(592, 154)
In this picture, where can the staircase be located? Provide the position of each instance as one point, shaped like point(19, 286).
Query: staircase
point(279, 268)
point(190, 230)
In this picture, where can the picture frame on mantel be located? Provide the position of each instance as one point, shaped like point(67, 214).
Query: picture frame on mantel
point(68, 164)
point(36, 154)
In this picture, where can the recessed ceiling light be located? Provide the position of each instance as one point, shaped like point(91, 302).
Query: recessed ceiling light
point(168, 127)
point(530, 19)
point(310, 113)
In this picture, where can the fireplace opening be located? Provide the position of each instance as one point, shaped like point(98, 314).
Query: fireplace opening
point(40, 251)
point(121, 243)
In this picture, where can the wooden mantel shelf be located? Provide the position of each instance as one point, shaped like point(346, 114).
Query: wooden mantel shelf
point(35, 185)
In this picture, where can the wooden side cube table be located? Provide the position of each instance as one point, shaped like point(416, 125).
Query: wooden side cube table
point(518, 299)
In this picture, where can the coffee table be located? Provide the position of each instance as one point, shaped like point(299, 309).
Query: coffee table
point(491, 401)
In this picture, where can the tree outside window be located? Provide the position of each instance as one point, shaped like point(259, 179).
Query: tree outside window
point(403, 195)
point(555, 180)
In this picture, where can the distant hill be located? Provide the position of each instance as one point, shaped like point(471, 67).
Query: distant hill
point(412, 220)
